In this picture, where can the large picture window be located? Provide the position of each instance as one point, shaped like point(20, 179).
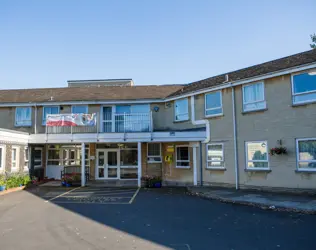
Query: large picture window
point(213, 104)
point(181, 110)
point(257, 155)
point(304, 87)
point(306, 154)
point(253, 97)
point(182, 157)
point(215, 155)
point(23, 116)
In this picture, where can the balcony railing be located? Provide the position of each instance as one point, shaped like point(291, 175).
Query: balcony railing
point(111, 123)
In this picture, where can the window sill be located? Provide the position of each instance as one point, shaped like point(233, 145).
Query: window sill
point(303, 103)
point(301, 171)
point(153, 162)
point(213, 116)
point(254, 111)
point(22, 126)
point(258, 170)
point(217, 169)
point(186, 120)
point(181, 167)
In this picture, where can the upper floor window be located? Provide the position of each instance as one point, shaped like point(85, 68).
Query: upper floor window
point(52, 110)
point(23, 116)
point(304, 87)
point(253, 97)
point(213, 104)
point(79, 109)
point(181, 109)
point(154, 152)
point(306, 154)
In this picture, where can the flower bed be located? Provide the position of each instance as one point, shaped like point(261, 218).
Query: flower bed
point(8, 181)
point(73, 179)
point(152, 181)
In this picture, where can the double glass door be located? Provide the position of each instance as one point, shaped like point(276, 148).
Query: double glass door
point(107, 164)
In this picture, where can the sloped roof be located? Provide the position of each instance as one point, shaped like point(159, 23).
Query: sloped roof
point(102, 93)
point(253, 71)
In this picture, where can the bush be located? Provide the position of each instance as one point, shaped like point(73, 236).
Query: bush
point(13, 180)
point(26, 179)
point(3, 181)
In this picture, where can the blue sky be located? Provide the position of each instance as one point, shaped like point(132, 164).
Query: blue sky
point(46, 43)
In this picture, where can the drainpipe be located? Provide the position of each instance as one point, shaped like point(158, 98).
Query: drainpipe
point(235, 138)
point(207, 139)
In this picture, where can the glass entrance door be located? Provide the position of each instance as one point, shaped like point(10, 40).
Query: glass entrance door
point(108, 164)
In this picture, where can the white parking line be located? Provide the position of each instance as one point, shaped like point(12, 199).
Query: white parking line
point(131, 201)
point(62, 194)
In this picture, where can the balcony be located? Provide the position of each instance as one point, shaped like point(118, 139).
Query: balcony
point(93, 123)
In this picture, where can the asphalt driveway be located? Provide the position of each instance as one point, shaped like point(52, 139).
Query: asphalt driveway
point(153, 219)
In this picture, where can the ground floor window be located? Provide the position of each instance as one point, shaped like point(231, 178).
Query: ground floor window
point(14, 158)
point(66, 155)
point(215, 155)
point(257, 155)
point(182, 157)
point(2, 158)
point(154, 152)
point(306, 154)
point(26, 157)
point(38, 153)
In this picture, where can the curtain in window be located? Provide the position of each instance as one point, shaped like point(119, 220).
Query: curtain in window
point(23, 116)
point(253, 93)
point(49, 111)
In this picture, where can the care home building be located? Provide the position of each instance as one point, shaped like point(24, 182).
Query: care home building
point(219, 131)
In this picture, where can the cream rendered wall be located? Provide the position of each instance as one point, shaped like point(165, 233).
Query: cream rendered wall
point(282, 121)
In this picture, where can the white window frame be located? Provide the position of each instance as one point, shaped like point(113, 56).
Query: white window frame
point(23, 125)
point(246, 151)
point(36, 161)
point(297, 156)
point(302, 93)
point(44, 118)
point(245, 103)
point(3, 158)
point(207, 160)
point(208, 109)
point(26, 161)
point(183, 146)
point(16, 168)
point(102, 120)
point(86, 107)
point(149, 156)
point(175, 110)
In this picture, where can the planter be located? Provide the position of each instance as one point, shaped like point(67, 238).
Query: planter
point(157, 185)
point(150, 184)
point(2, 188)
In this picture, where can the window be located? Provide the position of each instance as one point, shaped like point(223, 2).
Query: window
point(215, 155)
point(129, 157)
point(54, 155)
point(14, 158)
point(38, 157)
point(181, 110)
point(306, 154)
point(79, 109)
point(253, 97)
point(304, 87)
point(49, 111)
point(2, 158)
point(26, 157)
point(23, 116)
point(182, 157)
point(213, 104)
point(153, 152)
point(107, 119)
point(257, 155)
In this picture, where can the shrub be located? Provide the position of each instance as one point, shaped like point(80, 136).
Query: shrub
point(13, 180)
point(26, 179)
point(3, 181)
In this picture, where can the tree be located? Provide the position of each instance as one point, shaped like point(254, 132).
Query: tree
point(313, 44)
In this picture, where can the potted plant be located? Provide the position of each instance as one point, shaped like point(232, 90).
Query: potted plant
point(278, 151)
point(152, 181)
point(2, 183)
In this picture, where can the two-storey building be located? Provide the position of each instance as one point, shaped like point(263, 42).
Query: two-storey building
point(219, 131)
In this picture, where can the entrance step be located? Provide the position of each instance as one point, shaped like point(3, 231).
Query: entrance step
point(112, 183)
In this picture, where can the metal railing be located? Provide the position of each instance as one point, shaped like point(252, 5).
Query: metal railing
point(119, 123)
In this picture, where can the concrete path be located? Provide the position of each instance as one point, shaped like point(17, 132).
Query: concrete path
point(275, 201)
